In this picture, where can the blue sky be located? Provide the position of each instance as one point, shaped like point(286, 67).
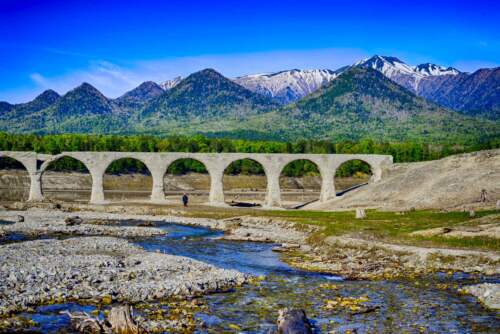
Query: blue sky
point(115, 45)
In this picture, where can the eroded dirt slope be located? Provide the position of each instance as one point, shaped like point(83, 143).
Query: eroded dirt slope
point(453, 182)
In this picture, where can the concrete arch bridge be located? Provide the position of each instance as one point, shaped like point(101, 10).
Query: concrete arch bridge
point(215, 163)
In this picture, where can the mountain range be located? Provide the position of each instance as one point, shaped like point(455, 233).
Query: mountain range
point(380, 97)
point(475, 93)
point(363, 103)
point(288, 86)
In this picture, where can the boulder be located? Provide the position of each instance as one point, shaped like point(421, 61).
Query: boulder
point(71, 221)
point(293, 321)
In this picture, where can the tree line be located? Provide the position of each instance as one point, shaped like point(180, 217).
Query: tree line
point(55, 144)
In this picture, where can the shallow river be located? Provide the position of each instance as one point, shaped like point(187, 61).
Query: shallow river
point(419, 306)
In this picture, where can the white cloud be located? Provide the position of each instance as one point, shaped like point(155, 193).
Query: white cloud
point(113, 80)
point(38, 79)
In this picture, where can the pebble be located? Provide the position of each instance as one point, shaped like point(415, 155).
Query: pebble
point(104, 269)
point(37, 223)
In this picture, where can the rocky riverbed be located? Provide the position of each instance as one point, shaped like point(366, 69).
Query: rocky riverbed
point(114, 274)
point(100, 269)
point(343, 255)
point(41, 222)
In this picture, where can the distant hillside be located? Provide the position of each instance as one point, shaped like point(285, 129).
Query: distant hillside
point(207, 94)
point(85, 100)
point(360, 103)
point(474, 94)
point(404, 74)
point(42, 101)
point(138, 97)
point(83, 109)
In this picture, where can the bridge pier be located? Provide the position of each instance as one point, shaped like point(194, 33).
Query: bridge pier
point(158, 193)
point(377, 174)
point(97, 195)
point(273, 195)
point(216, 196)
point(327, 191)
point(35, 194)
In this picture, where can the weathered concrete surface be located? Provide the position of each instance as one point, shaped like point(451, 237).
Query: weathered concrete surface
point(215, 163)
point(29, 161)
point(454, 182)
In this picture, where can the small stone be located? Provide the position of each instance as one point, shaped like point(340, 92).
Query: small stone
point(360, 214)
point(20, 219)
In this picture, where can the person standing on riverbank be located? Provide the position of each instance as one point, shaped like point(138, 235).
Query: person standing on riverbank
point(185, 199)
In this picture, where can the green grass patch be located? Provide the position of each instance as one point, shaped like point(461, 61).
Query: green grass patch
point(384, 226)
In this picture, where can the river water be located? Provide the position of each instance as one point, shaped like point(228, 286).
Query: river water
point(429, 305)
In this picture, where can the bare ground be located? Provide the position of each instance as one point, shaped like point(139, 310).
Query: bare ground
point(454, 182)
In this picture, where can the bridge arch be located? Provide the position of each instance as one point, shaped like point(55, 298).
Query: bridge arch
point(180, 168)
point(17, 181)
point(138, 172)
point(306, 189)
point(119, 157)
point(52, 159)
point(353, 172)
point(252, 188)
point(14, 157)
point(61, 190)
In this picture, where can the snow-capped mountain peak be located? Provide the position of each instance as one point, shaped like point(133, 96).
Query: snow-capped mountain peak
point(287, 86)
point(428, 69)
point(404, 74)
point(291, 85)
point(169, 84)
point(389, 66)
